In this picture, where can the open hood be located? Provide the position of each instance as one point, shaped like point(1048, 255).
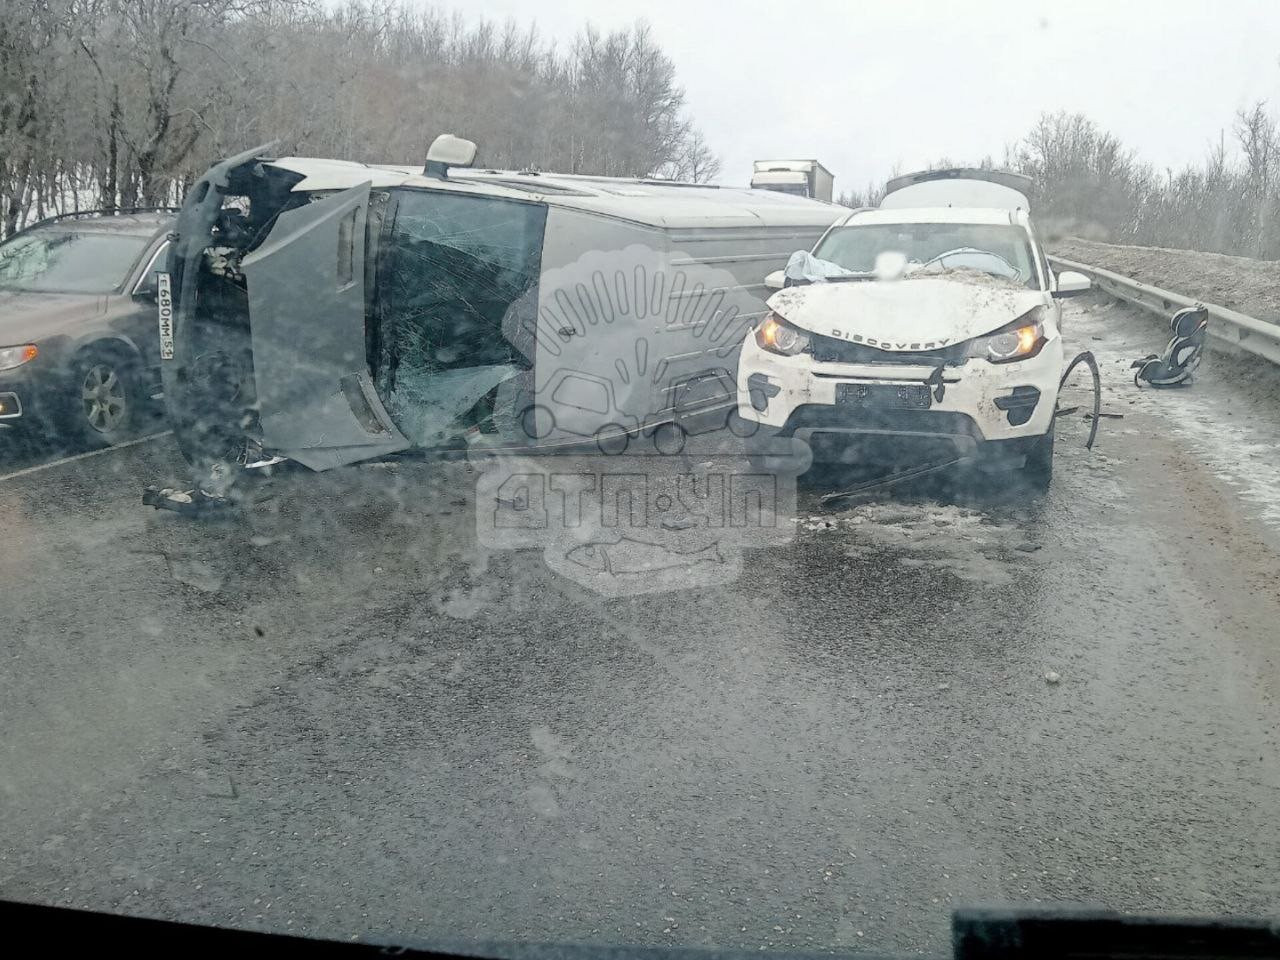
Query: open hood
point(908, 314)
point(959, 187)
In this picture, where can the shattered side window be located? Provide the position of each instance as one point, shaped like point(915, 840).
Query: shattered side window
point(455, 264)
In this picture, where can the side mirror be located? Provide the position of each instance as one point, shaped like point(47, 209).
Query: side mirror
point(1070, 283)
point(448, 151)
point(776, 280)
point(147, 293)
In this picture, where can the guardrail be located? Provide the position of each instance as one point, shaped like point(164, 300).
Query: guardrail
point(1227, 326)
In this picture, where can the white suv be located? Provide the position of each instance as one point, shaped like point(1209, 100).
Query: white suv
point(912, 327)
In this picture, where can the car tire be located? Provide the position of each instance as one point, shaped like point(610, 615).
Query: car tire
point(106, 395)
point(741, 427)
point(612, 439)
point(668, 439)
point(537, 421)
point(1038, 469)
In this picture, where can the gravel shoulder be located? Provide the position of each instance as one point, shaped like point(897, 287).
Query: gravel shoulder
point(1250, 286)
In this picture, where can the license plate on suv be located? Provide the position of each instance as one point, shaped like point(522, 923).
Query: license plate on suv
point(896, 396)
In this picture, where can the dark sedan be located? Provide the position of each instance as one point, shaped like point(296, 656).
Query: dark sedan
point(79, 351)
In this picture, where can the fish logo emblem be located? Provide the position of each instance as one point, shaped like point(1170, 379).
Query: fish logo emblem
point(627, 556)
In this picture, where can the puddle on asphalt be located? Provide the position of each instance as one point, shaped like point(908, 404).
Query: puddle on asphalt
point(970, 544)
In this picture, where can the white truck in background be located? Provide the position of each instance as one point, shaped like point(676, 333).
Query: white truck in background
point(804, 178)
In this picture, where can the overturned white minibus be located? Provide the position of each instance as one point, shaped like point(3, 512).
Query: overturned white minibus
point(328, 312)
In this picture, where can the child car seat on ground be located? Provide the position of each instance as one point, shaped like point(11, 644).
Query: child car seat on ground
point(1174, 367)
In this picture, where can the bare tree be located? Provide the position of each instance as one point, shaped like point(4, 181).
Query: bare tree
point(1089, 183)
point(28, 36)
point(121, 102)
point(696, 161)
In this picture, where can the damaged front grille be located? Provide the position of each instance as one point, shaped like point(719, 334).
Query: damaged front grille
point(833, 350)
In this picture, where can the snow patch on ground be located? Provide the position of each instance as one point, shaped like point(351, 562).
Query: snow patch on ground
point(1231, 426)
point(1244, 459)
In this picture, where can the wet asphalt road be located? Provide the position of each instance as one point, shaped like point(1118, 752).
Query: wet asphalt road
point(338, 715)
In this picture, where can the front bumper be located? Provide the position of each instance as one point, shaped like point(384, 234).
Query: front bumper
point(980, 402)
point(31, 395)
point(22, 393)
point(10, 404)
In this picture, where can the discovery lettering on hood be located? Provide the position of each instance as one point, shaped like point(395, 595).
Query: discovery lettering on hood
point(914, 313)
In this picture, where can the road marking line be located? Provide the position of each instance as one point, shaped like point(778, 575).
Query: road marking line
point(81, 456)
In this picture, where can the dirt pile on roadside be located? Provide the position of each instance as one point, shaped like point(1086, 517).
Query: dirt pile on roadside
point(1249, 286)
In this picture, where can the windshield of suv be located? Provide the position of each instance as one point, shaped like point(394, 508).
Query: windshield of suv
point(1002, 251)
point(62, 260)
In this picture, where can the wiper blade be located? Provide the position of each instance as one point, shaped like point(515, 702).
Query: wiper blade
point(850, 276)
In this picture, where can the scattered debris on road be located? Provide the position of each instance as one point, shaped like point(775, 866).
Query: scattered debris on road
point(188, 503)
point(1088, 360)
point(877, 484)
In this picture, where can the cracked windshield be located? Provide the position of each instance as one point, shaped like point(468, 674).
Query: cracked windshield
point(544, 478)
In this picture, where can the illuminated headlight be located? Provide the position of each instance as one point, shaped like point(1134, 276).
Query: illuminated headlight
point(11, 357)
point(778, 336)
point(1015, 341)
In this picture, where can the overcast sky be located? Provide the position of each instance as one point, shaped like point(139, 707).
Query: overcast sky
point(869, 86)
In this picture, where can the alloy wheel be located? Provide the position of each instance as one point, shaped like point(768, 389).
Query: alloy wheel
point(104, 398)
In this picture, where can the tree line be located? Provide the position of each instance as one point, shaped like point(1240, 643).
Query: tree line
point(121, 103)
point(1088, 183)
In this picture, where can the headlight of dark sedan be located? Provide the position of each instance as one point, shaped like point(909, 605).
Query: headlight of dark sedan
point(11, 357)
